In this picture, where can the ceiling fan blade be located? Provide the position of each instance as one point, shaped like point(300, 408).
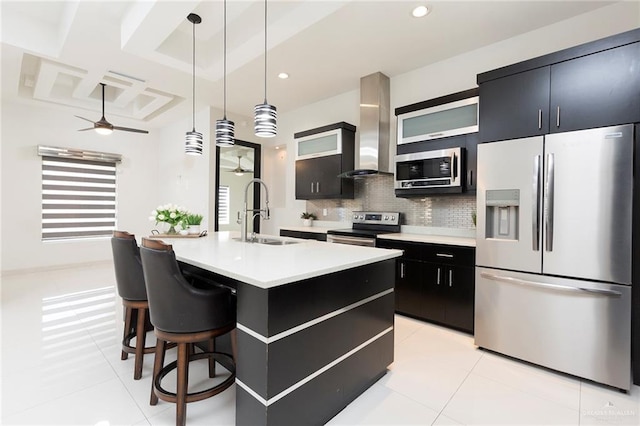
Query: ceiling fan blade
point(90, 121)
point(129, 129)
point(88, 128)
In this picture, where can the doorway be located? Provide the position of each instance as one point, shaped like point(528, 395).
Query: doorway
point(235, 167)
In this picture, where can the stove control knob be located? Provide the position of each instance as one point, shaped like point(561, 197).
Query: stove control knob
point(393, 218)
point(355, 216)
point(386, 218)
point(361, 217)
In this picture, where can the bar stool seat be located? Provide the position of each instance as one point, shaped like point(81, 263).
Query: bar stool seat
point(185, 314)
point(131, 288)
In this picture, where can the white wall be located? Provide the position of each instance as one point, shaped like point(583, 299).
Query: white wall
point(439, 79)
point(25, 127)
point(183, 179)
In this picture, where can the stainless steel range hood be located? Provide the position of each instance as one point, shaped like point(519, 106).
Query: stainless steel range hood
point(373, 146)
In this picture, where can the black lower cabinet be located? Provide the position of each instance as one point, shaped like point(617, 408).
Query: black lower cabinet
point(460, 297)
point(409, 287)
point(435, 283)
point(433, 297)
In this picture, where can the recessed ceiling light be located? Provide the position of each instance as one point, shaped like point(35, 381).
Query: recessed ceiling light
point(283, 75)
point(420, 11)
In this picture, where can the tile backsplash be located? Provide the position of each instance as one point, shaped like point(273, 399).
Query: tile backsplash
point(375, 193)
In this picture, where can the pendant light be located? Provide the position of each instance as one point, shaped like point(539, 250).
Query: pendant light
point(265, 115)
point(193, 139)
point(224, 127)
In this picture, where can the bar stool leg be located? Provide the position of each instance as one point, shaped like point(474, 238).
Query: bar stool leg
point(141, 337)
point(158, 363)
point(181, 391)
point(211, 347)
point(127, 329)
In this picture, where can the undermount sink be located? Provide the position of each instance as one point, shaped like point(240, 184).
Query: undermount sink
point(270, 241)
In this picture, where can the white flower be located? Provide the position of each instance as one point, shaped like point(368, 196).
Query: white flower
point(173, 215)
point(154, 212)
point(161, 217)
point(152, 218)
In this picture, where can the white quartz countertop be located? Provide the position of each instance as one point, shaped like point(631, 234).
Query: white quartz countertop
point(267, 266)
point(431, 239)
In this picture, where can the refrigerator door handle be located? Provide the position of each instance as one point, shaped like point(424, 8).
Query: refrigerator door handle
point(535, 205)
point(548, 204)
point(517, 281)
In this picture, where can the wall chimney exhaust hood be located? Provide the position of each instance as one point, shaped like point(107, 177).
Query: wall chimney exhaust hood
point(373, 145)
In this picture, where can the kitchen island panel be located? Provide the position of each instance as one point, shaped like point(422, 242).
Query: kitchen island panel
point(313, 329)
point(325, 342)
point(320, 399)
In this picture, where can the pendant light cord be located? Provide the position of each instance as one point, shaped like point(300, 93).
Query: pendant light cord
point(225, 58)
point(193, 85)
point(265, 51)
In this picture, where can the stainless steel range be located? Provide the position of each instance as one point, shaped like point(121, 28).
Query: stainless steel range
point(366, 227)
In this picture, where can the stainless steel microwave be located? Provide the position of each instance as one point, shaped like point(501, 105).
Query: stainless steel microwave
point(430, 169)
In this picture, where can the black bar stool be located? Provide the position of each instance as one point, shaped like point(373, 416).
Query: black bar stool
point(185, 314)
point(131, 288)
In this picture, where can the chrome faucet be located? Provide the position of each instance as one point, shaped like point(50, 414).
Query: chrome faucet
point(264, 213)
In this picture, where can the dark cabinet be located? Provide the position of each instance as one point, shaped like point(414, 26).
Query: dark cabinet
point(596, 90)
point(321, 155)
point(409, 287)
point(319, 236)
point(515, 106)
point(541, 96)
point(435, 283)
point(318, 178)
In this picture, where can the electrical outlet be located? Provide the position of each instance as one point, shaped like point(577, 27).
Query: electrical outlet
point(325, 212)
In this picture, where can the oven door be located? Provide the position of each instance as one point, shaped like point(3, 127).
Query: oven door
point(354, 241)
point(439, 168)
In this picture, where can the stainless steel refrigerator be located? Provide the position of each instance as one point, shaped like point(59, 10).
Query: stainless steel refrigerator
point(553, 256)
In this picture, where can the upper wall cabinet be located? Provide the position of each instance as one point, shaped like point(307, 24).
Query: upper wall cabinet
point(321, 155)
point(515, 106)
point(593, 85)
point(438, 118)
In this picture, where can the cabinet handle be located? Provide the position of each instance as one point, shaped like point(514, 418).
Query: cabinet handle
point(438, 282)
point(401, 270)
point(317, 186)
point(469, 177)
point(539, 119)
point(558, 116)
point(450, 277)
point(444, 255)
point(312, 187)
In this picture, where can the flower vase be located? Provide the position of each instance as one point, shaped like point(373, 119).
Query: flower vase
point(307, 222)
point(172, 230)
point(194, 229)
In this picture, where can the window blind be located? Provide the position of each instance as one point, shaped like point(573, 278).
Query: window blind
point(78, 198)
point(223, 205)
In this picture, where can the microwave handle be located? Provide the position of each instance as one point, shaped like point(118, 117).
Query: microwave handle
point(454, 163)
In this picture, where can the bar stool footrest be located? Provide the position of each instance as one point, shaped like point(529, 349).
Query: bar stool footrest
point(222, 358)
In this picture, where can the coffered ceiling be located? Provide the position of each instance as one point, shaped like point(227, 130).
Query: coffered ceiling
point(57, 52)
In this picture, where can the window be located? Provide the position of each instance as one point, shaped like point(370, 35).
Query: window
point(223, 205)
point(78, 194)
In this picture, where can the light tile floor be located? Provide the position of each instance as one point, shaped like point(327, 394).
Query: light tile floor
point(61, 365)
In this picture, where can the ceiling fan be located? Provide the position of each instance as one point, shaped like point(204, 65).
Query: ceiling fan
point(239, 171)
point(103, 127)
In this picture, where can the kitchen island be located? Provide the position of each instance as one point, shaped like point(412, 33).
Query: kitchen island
point(315, 322)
